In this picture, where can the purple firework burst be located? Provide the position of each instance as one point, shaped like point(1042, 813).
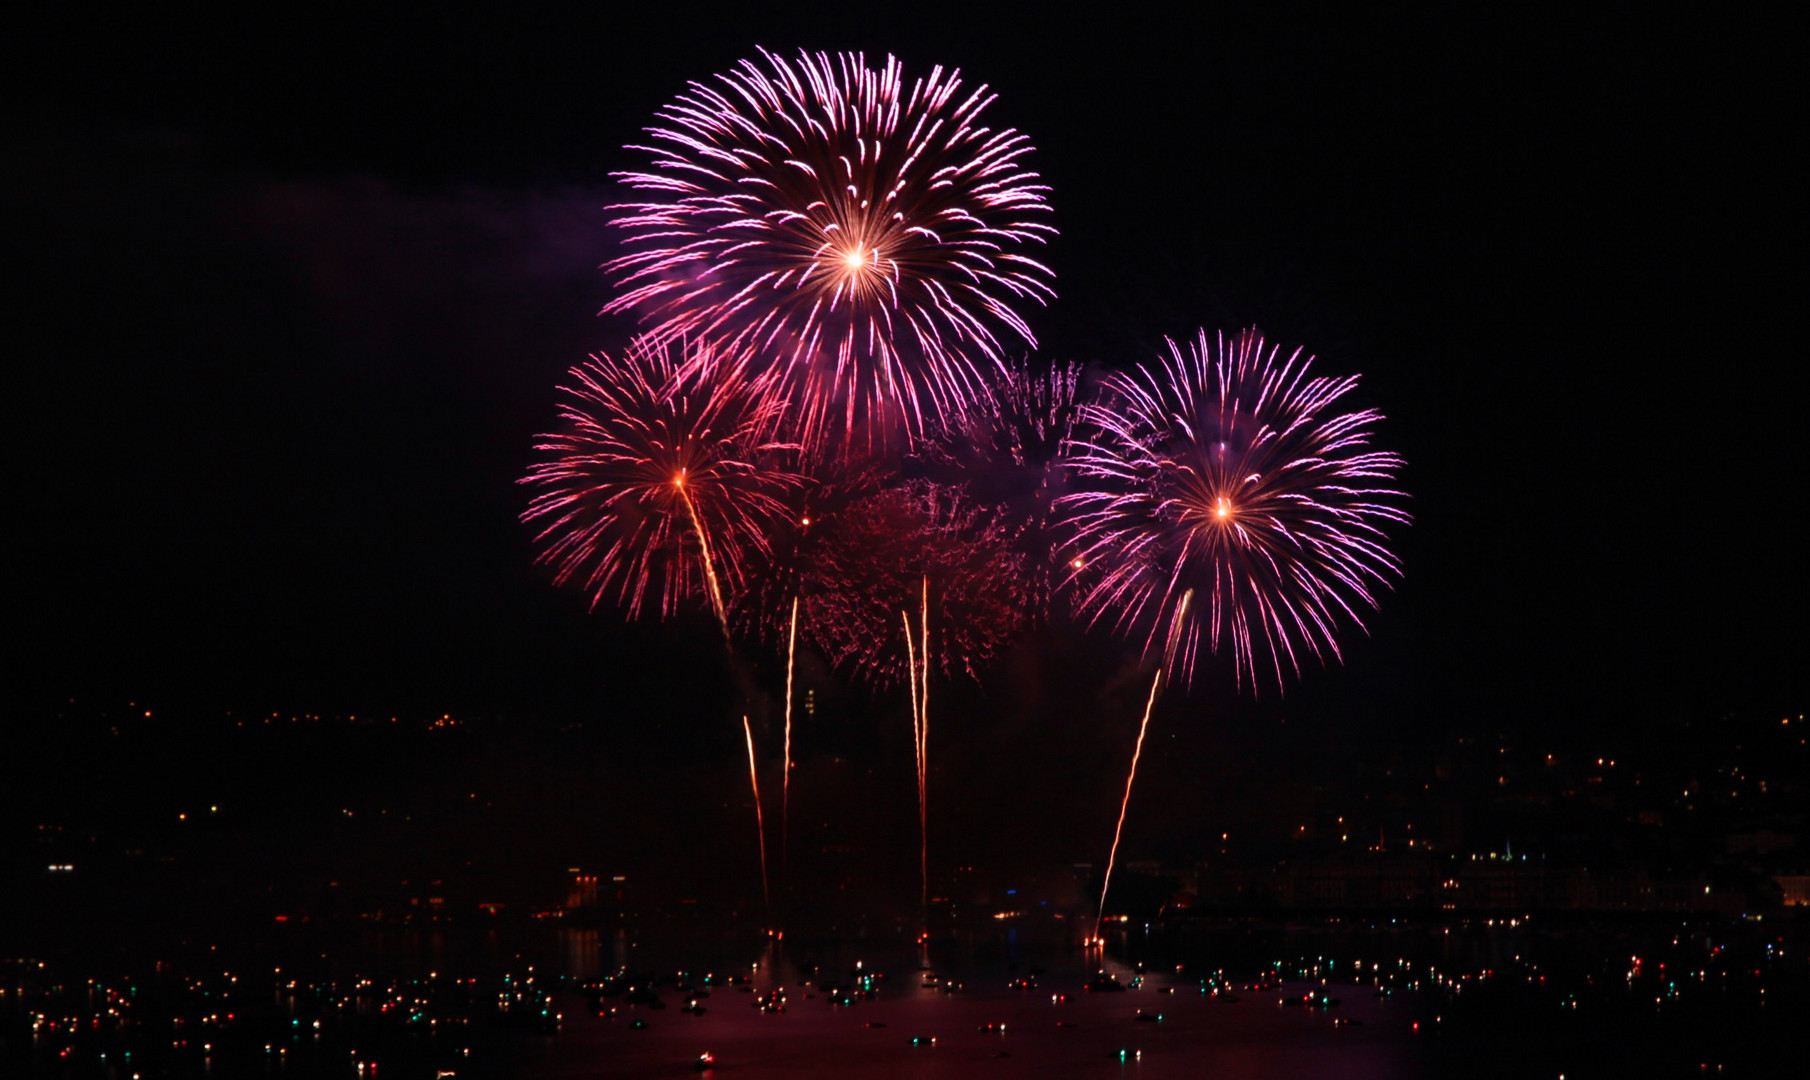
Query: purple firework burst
point(1225, 496)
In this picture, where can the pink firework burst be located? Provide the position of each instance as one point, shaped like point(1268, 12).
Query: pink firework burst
point(1226, 496)
point(665, 475)
point(865, 235)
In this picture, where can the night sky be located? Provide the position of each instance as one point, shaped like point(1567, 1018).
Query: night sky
point(293, 292)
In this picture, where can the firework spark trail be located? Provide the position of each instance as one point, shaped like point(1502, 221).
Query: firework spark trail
point(917, 738)
point(785, 784)
point(917, 750)
point(715, 587)
point(760, 823)
point(1229, 471)
point(924, 751)
point(918, 659)
point(659, 448)
point(1137, 751)
point(867, 232)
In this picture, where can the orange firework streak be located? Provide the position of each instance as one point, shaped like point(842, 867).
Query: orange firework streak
point(924, 749)
point(1137, 752)
point(785, 782)
point(917, 749)
point(760, 823)
point(917, 659)
point(716, 592)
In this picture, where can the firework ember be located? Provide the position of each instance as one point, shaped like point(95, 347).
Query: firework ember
point(785, 781)
point(866, 233)
point(664, 478)
point(1229, 473)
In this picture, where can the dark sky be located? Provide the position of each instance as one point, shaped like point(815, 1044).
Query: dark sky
point(298, 287)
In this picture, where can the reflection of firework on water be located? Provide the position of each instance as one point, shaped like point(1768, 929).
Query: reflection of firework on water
point(1228, 473)
point(884, 549)
point(1005, 448)
point(662, 478)
point(865, 231)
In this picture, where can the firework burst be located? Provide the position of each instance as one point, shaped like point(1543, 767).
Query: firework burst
point(794, 565)
point(663, 480)
point(866, 234)
point(1005, 449)
point(1228, 499)
point(884, 551)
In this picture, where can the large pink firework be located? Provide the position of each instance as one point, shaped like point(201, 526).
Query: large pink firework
point(868, 236)
point(1228, 498)
point(665, 476)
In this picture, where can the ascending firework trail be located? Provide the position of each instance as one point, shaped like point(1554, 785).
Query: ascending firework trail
point(922, 559)
point(662, 477)
point(1222, 496)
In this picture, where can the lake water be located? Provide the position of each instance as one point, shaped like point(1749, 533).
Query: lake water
point(1466, 1000)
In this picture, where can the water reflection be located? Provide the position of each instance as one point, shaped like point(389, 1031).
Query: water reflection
point(541, 1001)
point(581, 954)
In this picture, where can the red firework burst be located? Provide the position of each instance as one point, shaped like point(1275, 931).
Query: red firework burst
point(901, 550)
point(664, 478)
point(797, 562)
